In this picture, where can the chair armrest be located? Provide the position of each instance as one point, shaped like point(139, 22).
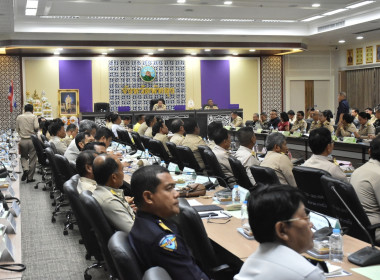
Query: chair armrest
point(220, 268)
point(373, 227)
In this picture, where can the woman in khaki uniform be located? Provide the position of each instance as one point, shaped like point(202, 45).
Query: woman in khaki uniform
point(366, 129)
point(346, 127)
point(325, 120)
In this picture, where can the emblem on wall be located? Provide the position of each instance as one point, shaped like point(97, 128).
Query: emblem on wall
point(147, 74)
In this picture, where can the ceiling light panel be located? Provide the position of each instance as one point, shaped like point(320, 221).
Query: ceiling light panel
point(237, 20)
point(334, 12)
point(312, 18)
point(31, 4)
point(30, 12)
point(195, 19)
point(357, 5)
point(278, 20)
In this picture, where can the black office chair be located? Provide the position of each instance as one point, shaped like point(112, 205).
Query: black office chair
point(187, 158)
point(43, 162)
point(192, 230)
point(101, 227)
point(84, 226)
point(157, 148)
point(308, 180)
point(308, 124)
point(137, 139)
point(124, 138)
point(240, 173)
point(173, 151)
point(201, 150)
point(377, 130)
point(44, 138)
point(249, 123)
point(345, 190)
point(145, 140)
point(264, 175)
point(215, 169)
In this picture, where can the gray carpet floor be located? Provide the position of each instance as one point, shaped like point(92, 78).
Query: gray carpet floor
point(46, 252)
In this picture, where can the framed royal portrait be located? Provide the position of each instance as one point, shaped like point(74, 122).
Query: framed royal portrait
point(359, 56)
point(378, 53)
point(369, 54)
point(68, 102)
point(350, 57)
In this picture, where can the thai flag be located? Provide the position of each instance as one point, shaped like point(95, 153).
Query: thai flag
point(10, 96)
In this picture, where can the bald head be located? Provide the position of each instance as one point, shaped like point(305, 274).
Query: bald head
point(315, 115)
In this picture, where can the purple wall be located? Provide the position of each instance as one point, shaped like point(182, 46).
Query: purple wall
point(215, 82)
point(77, 74)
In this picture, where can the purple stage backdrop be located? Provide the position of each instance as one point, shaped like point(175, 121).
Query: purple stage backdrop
point(215, 82)
point(77, 74)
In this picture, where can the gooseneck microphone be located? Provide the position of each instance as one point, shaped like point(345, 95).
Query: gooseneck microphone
point(324, 232)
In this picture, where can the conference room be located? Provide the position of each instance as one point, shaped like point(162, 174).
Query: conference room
point(66, 58)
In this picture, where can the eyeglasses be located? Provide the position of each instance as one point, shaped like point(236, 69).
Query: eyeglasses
point(297, 219)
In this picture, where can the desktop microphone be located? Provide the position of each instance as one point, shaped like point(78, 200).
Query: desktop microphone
point(368, 255)
point(153, 156)
point(210, 185)
point(324, 232)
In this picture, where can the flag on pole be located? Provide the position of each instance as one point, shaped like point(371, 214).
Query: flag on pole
point(10, 96)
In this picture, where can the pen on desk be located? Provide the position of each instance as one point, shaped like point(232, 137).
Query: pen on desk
point(225, 213)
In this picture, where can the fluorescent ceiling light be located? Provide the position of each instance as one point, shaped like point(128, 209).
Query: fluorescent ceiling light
point(150, 18)
point(111, 50)
point(104, 53)
point(57, 53)
point(277, 20)
point(150, 53)
point(193, 53)
point(59, 49)
point(334, 12)
point(2, 51)
point(252, 50)
point(30, 12)
point(341, 41)
point(227, 2)
point(160, 50)
point(181, 1)
point(312, 18)
point(237, 20)
point(235, 53)
point(207, 50)
point(316, 5)
point(31, 4)
point(359, 37)
point(357, 5)
point(195, 19)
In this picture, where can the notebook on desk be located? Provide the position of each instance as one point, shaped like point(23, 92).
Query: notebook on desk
point(204, 208)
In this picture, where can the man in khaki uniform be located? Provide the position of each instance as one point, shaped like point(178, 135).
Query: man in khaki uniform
point(300, 123)
point(278, 160)
point(210, 105)
point(178, 130)
point(150, 121)
point(160, 132)
point(193, 140)
point(144, 126)
point(26, 125)
point(237, 121)
point(315, 123)
point(57, 131)
point(346, 127)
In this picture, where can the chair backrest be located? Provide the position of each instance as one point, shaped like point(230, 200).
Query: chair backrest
point(65, 171)
point(339, 211)
point(87, 234)
point(53, 147)
point(44, 138)
point(101, 227)
point(240, 173)
point(41, 156)
point(215, 169)
point(201, 150)
point(156, 273)
point(138, 143)
point(123, 257)
point(157, 148)
point(54, 169)
point(187, 158)
point(173, 151)
point(145, 140)
point(124, 137)
point(264, 175)
point(377, 130)
point(249, 123)
point(308, 180)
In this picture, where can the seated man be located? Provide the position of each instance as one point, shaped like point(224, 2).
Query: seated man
point(237, 121)
point(281, 225)
point(322, 145)
point(178, 132)
point(87, 126)
point(140, 120)
point(211, 128)
point(315, 123)
point(245, 154)
point(108, 174)
point(160, 132)
point(264, 121)
point(300, 124)
point(277, 159)
point(193, 140)
point(150, 121)
point(366, 182)
point(155, 241)
point(58, 133)
point(210, 105)
point(369, 111)
point(71, 132)
point(116, 121)
point(256, 120)
point(355, 114)
point(104, 135)
point(98, 147)
point(377, 115)
point(159, 106)
point(108, 117)
point(83, 165)
point(274, 119)
point(82, 138)
point(126, 120)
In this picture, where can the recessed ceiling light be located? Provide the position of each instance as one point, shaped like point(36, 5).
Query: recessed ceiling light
point(316, 5)
point(30, 12)
point(193, 53)
point(334, 12)
point(312, 18)
point(252, 50)
point(31, 4)
point(57, 53)
point(359, 37)
point(150, 53)
point(111, 50)
point(235, 53)
point(357, 5)
point(59, 49)
point(181, 1)
point(341, 41)
point(161, 50)
point(207, 50)
point(104, 53)
point(227, 2)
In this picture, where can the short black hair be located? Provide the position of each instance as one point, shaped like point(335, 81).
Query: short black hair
point(103, 131)
point(85, 157)
point(80, 137)
point(190, 125)
point(356, 110)
point(145, 179)
point(302, 113)
point(375, 148)
point(284, 116)
point(55, 126)
point(268, 205)
point(108, 116)
point(327, 114)
point(348, 118)
point(103, 170)
point(71, 127)
point(128, 118)
point(369, 108)
point(140, 117)
point(149, 119)
point(234, 112)
point(28, 108)
point(114, 117)
point(245, 135)
point(291, 112)
point(220, 135)
point(161, 99)
point(91, 145)
point(319, 139)
point(263, 114)
point(156, 127)
point(176, 125)
point(212, 127)
point(365, 115)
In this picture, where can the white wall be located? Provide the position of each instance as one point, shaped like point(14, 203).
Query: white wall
point(297, 98)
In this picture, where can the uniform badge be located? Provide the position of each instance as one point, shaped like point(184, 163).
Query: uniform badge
point(168, 242)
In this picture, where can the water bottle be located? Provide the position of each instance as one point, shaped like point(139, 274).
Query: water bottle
point(336, 246)
point(235, 195)
point(244, 216)
point(146, 155)
point(271, 128)
point(163, 164)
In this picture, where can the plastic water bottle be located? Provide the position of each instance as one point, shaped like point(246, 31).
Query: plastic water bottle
point(336, 246)
point(244, 216)
point(163, 164)
point(235, 195)
point(146, 155)
point(271, 128)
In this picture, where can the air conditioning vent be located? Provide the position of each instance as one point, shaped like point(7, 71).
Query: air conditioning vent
point(331, 26)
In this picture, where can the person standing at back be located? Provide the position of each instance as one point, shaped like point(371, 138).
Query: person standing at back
point(343, 107)
point(26, 125)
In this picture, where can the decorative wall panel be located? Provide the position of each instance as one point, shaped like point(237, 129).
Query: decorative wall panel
point(271, 83)
point(128, 88)
point(9, 70)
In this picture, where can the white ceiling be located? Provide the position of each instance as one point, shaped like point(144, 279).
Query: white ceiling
point(196, 20)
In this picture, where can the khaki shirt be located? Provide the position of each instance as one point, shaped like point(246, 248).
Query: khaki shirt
point(315, 125)
point(222, 157)
point(156, 108)
point(148, 132)
point(373, 119)
point(237, 122)
point(177, 139)
point(109, 125)
point(365, 130)
point(193, 141)
point(211, 108)
point(322, 162)
point(116, 209)
point(143, 127)
point(247, 159)
point(68, 140)
point(366, 182)
point(163, 138)
point(86, 184)
point(211, 144)
point(282, 165)
point(301, 125)
point(26, 125)
point(59, 144)
point(346, 130)
point(328, 125)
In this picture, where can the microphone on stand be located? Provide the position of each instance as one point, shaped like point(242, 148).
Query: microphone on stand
point(324, 232)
